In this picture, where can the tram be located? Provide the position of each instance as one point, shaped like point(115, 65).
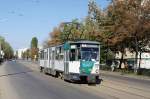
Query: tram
point(73, 61)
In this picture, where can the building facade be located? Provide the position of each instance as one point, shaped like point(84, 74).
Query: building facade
point(20, 52)
point(129, 57)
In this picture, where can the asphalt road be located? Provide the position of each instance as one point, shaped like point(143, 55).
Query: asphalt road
point(127, 80)
point(22, 80)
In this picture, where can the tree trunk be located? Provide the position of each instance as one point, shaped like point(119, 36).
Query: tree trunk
point(135, 63)
point(136, 55)
point(121, 60)
point(140, 60)
point(106, 58)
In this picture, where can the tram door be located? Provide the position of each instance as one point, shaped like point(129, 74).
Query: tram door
point(53, 60)
point(66, 62)
point(50, 57)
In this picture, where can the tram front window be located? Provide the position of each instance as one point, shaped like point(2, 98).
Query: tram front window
point(90, 54)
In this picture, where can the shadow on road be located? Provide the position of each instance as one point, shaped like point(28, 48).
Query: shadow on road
point(6, 75)
point(99, 81)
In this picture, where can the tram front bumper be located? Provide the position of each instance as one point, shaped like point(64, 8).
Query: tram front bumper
point(84, 78)
point(91, 79)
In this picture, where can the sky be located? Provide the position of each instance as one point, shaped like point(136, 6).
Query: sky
point(20, 20)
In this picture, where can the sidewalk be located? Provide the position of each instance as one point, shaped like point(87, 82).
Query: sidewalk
point(134, 76)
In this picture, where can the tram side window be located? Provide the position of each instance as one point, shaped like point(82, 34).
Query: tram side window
point(42, 55)
point(50, 55)
point(56, 55)
point(72, 55)
point(79, 54)
point(61, 55)
point(75, 55)
point(47, 55)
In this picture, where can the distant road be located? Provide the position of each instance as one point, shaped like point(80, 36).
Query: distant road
point(22, 80)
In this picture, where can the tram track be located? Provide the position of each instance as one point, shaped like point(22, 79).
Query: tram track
point(142, 96)
point(108, 89)
point(127, 86)
point(121, 86)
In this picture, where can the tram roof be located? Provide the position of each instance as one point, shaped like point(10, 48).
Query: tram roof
point(84, 41)
point(75, 42)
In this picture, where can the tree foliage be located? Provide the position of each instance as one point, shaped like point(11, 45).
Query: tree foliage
point(124, 24)
point(34, 42)
point(27, 54)
point(131, 25)
point(6, 48)
point(34, 49)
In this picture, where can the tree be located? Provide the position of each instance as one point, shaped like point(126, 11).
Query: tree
point(7, 49)
point(131, 24)
point(94, 21)
point(99, 25)
point(68, 31)
point(34, 48)
point(125, 24)
point(28, 54)
point(54, 37)
point(16, 55)
point(34, 42)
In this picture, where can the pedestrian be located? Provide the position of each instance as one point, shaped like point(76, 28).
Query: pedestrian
point(113, 67)
point(126, 66)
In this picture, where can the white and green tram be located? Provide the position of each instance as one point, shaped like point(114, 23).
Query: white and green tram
point(74, 61)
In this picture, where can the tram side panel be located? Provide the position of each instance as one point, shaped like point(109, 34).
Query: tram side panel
point(46, 63)
point(41, 62)
point(74, 67)
point(59, 60)
point(74, 70)
point(42, 58)
point(59, 65)
point(49, 58)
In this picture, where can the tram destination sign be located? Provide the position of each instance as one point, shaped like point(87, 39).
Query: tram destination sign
point(87, 45)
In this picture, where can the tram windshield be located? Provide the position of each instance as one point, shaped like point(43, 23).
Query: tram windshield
point(90, 54)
